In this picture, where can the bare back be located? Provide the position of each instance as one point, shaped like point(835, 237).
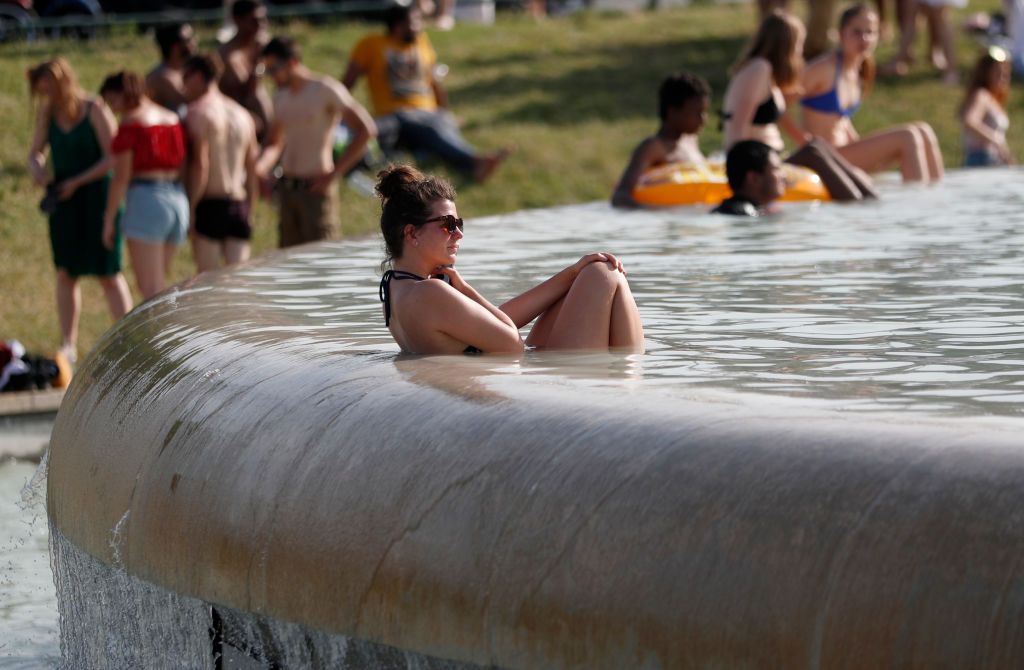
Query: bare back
point(230, 134)
point(418, 302)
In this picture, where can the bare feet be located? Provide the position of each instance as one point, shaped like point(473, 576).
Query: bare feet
point(488, 163)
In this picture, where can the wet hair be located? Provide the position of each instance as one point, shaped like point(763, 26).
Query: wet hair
point(981, 77)
point(127, 83)
point(867, 68)
point(167, 36)
point(203, 65)
point(679, 87)
point(283, 49)
point(397, 13)
point(68, 94)
point(406, 197)
point(240, 8)
point(775, 41)
point(746, 156)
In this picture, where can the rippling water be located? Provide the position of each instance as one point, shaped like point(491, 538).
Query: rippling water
point(28, 603)
point(915, 302)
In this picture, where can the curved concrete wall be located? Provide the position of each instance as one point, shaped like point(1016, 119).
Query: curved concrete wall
point(440, 507)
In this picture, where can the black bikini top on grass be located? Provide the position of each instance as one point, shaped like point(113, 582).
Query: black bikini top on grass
point(385, 297)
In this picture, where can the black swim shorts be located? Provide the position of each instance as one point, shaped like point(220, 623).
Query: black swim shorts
point(219, 218)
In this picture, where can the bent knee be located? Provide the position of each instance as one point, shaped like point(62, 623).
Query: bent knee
point(599, 272)
point(925, 130)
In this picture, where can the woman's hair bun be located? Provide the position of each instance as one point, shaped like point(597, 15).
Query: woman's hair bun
point(394, 178)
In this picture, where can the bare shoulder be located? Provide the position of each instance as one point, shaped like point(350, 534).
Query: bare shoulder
point(432, 299)
point(332, 88)
point(240, 114)
point(823, 65)
point(654, 150)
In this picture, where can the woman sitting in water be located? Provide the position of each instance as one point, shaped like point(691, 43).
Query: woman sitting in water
point(754, 104)
point(430, 309)
point(834, 84)
point(983, 113)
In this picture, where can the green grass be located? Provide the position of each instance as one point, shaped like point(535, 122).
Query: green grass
point(573, 95)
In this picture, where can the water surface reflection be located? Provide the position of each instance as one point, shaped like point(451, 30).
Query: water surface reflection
point(911, 303)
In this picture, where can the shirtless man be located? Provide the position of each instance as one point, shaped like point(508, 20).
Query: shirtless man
point(177, 42)
point(240, 56)
point(307, 107)
point(222, 183)
point(683, 101)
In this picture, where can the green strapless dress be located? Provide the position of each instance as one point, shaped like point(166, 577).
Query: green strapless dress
point(76, 227)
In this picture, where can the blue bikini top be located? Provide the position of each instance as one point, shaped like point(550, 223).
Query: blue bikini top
point(828, 102)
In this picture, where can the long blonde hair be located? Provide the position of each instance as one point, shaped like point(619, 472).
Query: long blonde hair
point(68, 96)
point(776, 42)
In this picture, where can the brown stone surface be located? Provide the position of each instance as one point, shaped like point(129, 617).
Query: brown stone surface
point(30, 402)
point(444, 507)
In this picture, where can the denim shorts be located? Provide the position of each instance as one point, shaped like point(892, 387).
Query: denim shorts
point(155, 212)
point(981, 158)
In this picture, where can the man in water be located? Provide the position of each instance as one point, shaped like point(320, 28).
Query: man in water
point(177, 42)
point(241, 77)
point(409, 102)
point(307, 107)
point(683, 101)
point(222, 182)
point(755, 176)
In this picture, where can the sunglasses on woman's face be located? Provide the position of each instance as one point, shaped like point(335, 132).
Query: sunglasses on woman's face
point(449, 222)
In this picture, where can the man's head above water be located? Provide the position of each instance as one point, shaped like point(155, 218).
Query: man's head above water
point(754, 171)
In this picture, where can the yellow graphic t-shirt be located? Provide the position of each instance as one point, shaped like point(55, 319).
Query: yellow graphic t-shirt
point(399, 73)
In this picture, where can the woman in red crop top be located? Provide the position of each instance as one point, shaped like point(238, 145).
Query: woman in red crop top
point(149, 159)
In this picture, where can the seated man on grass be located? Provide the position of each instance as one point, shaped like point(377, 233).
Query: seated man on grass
point(755, 176)
point(410, 105)
point(683, 101)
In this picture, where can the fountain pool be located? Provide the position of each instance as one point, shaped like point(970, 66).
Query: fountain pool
point(819, 452)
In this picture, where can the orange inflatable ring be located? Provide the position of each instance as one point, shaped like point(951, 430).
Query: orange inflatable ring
point(681, 184)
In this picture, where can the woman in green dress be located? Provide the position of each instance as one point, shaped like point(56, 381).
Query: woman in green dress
point(77, 129)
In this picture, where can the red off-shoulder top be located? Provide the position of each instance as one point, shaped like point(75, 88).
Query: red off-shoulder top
point(152, 147)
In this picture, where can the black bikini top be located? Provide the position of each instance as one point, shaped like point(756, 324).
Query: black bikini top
point(766, 113)
point(385, 297)
point(385, 289)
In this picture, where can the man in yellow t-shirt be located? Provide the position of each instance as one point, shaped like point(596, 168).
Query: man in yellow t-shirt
point(410, 104)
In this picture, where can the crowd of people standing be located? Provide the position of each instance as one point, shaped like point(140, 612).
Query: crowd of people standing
point(198, 138)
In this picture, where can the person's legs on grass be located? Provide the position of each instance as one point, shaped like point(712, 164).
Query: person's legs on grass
point(118, 296)
point(69, 307)
point(148, 264)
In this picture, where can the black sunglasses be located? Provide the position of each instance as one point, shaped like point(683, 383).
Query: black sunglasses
point(449, 222)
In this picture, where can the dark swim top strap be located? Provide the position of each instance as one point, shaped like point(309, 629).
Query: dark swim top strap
point(385, 289)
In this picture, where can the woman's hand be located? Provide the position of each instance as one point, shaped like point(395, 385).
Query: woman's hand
point(457, 282)
point(39, 175)
point(599, 257)
point(66, 189)
point(1004, 153)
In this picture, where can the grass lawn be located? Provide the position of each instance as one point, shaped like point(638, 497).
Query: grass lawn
point(572, 94)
